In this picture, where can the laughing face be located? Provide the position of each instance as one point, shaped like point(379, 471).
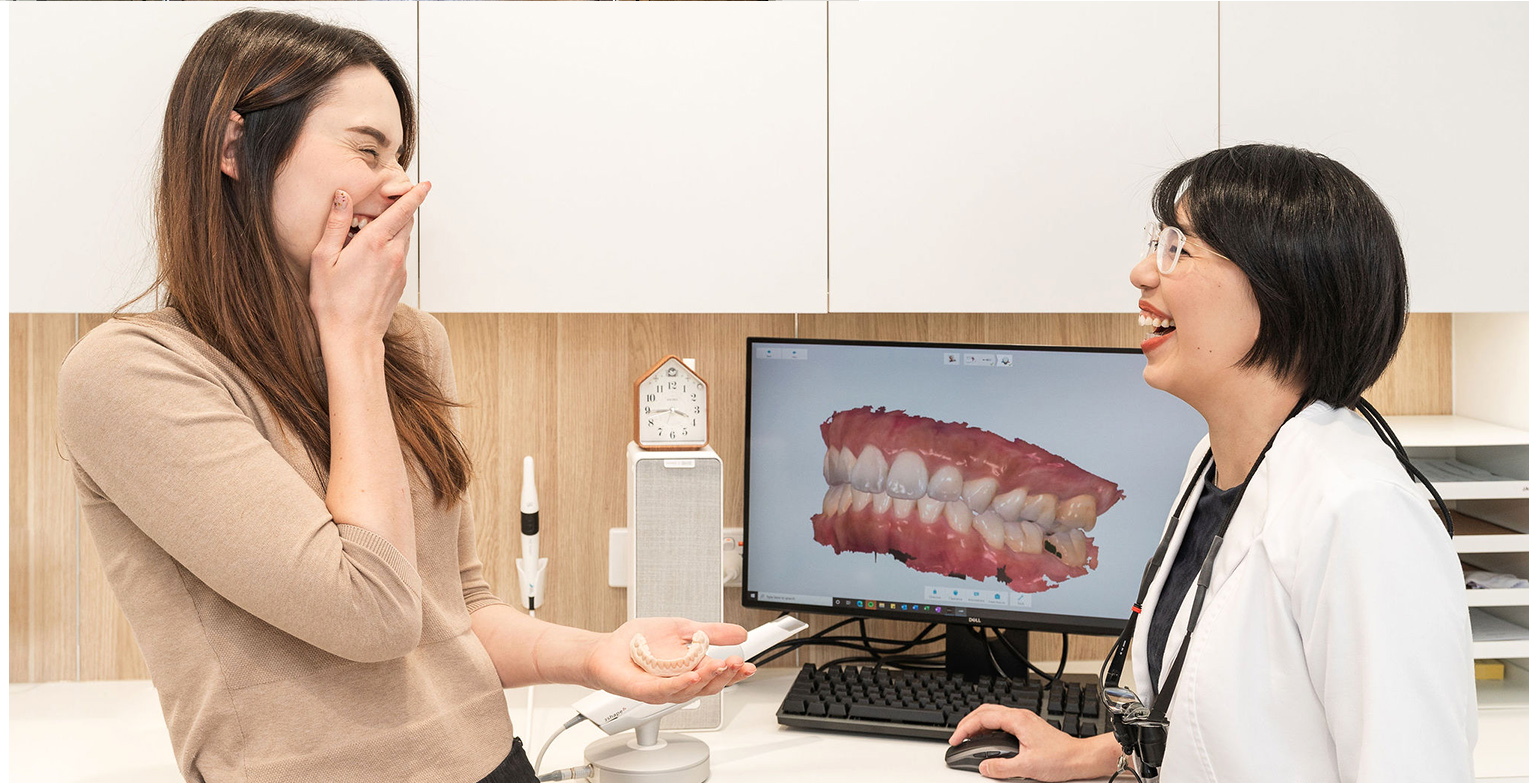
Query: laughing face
point(349, 142)
point(1201, 320)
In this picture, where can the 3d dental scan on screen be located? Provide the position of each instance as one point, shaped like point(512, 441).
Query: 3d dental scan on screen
point(1003, 486)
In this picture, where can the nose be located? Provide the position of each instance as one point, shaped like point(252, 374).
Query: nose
point(397, 183)
point(1145, 275)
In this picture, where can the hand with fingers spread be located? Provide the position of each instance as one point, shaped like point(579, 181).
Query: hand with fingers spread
point(355, 278)
point(1045, 752)
point(611, 667)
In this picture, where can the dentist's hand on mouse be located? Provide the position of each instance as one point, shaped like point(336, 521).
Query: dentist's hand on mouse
point(1045, 752)
point(610, 665)
point(355, 282)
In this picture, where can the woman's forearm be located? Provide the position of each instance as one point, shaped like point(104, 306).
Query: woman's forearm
point(368, 483)
point(1102, 756)
point(528, 651)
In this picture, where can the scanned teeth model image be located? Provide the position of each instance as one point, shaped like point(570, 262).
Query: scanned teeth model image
point(951, 499)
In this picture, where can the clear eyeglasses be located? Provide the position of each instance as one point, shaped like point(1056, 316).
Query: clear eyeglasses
point(1166, 242)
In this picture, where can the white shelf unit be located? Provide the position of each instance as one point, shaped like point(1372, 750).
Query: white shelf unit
point(1491, 529)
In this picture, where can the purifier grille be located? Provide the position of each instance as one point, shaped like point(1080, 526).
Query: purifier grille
point(678, 539)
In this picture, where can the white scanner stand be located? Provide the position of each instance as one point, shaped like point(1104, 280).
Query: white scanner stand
point(647, 754)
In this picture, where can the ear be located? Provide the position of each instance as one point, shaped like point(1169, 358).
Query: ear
point(228, 160)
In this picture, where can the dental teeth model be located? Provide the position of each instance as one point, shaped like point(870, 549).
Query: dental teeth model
point(952, 499)
point(669, 667)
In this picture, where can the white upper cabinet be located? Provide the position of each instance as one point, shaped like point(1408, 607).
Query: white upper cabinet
point(1428, 102)
point(89, 83)
point(630, 158)
point(998, 157)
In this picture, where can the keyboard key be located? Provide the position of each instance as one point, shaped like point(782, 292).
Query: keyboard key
point(1070, 725)
point(817, 708)
point(896, 714)
point(794, 706)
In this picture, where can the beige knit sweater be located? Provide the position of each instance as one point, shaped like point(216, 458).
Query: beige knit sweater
point(285, 647)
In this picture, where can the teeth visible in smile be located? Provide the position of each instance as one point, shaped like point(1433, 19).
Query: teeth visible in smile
point(1153, 321)
point(359, 222)
point(930, 509)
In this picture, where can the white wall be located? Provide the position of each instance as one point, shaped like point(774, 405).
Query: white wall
point(87, 101)
point(999, 157)
point(626, 158)
point(1428, 102)
point(1491, 358)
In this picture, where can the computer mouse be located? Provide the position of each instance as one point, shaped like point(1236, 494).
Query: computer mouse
point(980, 747)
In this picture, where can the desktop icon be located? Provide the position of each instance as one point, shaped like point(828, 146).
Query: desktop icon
point(938, 610)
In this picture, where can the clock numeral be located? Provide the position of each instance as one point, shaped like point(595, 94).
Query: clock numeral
point(650, 422)
point(646, 409)
point(652, 398)
point(697, 409)
point(685, 432)
point(671, 435)
point(673, 385)
point(692, 398)
point(683, 388)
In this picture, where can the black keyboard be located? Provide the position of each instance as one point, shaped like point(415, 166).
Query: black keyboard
point(929, 704)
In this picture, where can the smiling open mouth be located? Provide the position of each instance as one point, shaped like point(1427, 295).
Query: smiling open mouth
point(955, 500)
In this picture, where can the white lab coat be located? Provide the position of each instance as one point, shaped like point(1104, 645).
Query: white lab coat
point(1334, 644)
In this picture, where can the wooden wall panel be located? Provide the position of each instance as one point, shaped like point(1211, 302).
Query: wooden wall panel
point(49, 622)
point(21, 517)
point(555, 387)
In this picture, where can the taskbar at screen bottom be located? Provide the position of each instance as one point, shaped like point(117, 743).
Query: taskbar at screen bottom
point(938, 613)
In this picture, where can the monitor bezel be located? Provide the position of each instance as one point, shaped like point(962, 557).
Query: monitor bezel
point(1006, 619)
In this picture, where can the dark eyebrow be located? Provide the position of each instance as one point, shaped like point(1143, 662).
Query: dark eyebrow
point(367, 130)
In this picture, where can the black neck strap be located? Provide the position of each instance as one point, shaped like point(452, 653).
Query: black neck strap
point(1115, 663)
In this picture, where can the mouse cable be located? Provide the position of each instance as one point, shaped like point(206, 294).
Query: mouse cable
point(574, 721)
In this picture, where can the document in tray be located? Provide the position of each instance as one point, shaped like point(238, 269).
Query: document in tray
point(1491, 628)
point(1454, 470)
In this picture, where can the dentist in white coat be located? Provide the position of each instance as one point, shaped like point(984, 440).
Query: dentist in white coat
point(1333, 644)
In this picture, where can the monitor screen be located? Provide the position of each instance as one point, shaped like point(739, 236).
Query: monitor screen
point(1008, 486)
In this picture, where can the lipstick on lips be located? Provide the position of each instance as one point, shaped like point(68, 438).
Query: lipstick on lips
point(1163, 323)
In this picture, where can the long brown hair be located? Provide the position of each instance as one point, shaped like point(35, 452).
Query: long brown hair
point(219, 262)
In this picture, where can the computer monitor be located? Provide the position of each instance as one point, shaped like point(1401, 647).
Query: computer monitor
point(975, 485)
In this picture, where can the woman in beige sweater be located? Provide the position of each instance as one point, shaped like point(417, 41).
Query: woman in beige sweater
point(270, 464)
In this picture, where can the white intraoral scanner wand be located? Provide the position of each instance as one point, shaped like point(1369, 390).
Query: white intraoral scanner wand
point(531, 566)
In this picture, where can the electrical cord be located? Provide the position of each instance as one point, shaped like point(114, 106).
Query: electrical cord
point(572, 773)
point(574, 721)
point(862, 642)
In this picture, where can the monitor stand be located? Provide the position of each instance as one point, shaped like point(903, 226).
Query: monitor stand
point(966, 653)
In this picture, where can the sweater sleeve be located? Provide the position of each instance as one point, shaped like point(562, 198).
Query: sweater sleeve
point(151, 429)
point(475, 588)
point(1387, 640)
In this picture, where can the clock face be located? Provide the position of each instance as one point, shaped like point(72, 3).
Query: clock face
point(671, 407)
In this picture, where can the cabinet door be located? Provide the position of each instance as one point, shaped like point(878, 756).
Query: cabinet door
point(1428, 102)
point(89, 84)
point(615, 157)
point(998, 157)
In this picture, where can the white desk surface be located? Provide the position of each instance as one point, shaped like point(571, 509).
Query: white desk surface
point(114, 732)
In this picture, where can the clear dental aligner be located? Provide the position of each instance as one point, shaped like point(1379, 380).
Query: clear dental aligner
point(669, 667)
point(953, 499)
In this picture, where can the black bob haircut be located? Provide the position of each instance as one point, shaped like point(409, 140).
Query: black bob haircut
point(1320, 250)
